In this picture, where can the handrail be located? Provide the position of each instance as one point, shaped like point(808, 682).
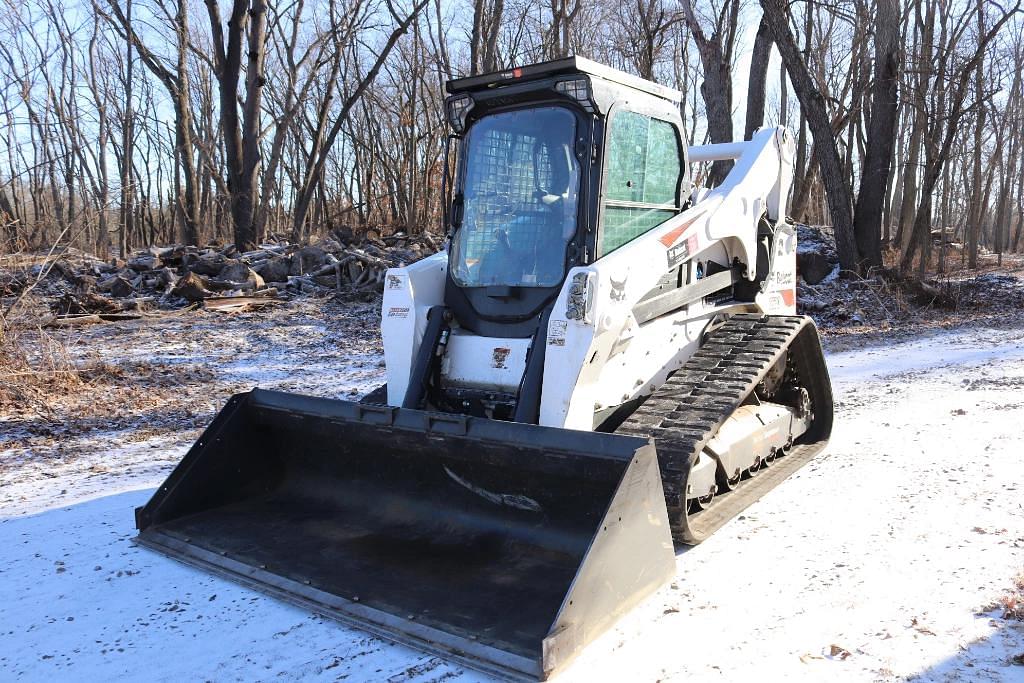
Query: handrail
point(717, 152)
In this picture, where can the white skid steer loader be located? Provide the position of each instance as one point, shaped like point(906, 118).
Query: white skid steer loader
point(601, 362)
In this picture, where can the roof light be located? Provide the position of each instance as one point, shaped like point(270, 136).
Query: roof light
point(458, 109)
point(578, 89)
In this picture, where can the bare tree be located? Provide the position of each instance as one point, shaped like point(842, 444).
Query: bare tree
point(318, 154)
point(867, 219)
point(177, 83)
point(758, 80)
point(833, 174)
point(241, 134)
point(716, 55)
point(950, 107)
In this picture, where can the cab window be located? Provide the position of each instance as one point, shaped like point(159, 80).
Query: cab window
point(521, 192)
point(643, 172)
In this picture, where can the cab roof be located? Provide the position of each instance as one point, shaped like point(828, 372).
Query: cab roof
point(560, 67)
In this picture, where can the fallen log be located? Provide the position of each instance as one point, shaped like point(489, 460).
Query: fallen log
point(73, 320)
point(77, 319)
point(238, 304)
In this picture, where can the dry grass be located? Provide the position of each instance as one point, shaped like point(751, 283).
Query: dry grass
point(47, 381)
point(39, 376)
point(48, 398)
point(35, 367)
point(1011, 604)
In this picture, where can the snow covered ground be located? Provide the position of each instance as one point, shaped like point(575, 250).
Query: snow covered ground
point(874, 562)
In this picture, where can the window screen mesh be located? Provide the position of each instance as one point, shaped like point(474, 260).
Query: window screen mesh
point(502, 179)
point(623, 224)
point(643, 168)
point(520, 198)
point(627, 157)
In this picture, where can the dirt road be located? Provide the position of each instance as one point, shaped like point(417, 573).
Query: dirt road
point(877, 561)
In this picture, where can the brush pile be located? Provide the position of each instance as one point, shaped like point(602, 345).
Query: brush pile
point(885, 299)
point(83, 288)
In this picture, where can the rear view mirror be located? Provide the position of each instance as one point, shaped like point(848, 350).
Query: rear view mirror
point(458, 204)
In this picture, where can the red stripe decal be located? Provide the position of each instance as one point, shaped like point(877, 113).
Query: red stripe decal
point(669, 238)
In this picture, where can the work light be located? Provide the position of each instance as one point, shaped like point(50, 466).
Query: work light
point(458, 109)
point(578, 89)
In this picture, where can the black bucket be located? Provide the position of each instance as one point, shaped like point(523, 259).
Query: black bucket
point(501, 545)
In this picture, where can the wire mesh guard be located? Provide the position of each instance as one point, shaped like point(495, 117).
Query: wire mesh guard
point(643, 175)
point(520, 192)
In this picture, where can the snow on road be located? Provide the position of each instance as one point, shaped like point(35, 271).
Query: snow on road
point(871, 563)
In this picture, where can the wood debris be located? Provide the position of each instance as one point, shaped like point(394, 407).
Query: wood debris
point(238, 304)
point(76, 319)
point(82, 289)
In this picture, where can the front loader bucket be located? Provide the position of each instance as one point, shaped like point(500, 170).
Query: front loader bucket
point(501, 545)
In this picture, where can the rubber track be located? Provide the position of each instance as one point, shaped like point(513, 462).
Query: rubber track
point(687, 410)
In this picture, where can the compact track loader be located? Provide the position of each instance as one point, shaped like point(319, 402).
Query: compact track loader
point(602, 362)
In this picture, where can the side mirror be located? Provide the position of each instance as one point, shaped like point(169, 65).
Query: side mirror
point(445, 184)
point(458, 207)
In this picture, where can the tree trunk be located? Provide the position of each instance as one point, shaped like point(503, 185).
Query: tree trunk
point(974, 221)
point(127, 142)
point(830, 165)
point(248, 177)
point(318, 155)
point(867, 221)
point(483, 42)
point(241, 137)
point(911, 171)
point(801, 167)
point(716, 89)
point(943, 218)
point(758, 80)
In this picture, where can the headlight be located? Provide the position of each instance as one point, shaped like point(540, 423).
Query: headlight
point(458, 109)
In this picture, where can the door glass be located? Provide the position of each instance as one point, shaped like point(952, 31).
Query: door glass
point(643, 175)
point(520, 194)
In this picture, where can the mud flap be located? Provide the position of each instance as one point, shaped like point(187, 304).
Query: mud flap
point(501, 545)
